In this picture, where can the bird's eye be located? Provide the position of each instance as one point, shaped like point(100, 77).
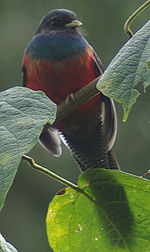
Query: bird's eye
point(53, 22)
point(50, 23)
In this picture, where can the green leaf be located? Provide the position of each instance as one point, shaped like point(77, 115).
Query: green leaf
point(130, 67)
point(113, 214)
point(5, 246)
point(23, 113)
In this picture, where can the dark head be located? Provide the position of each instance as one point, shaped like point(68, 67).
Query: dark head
point(58, 19)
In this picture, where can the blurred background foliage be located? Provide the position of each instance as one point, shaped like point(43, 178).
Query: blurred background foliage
point(22, 220)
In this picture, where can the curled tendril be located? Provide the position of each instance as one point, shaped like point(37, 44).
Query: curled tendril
point(133, 16)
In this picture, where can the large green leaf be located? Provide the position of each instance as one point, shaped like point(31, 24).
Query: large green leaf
point(130, 67)
point(113, 214)
point(23, 113)
point(5, 246)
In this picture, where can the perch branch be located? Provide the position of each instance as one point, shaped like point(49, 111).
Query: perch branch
point(75, 100)
point(72, 102)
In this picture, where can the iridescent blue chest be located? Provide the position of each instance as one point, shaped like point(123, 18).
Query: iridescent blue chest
point(56, 45)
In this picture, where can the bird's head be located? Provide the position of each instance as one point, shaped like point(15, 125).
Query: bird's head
point(59, 19)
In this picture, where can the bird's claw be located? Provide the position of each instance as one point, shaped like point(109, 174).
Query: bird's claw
point(70, 98)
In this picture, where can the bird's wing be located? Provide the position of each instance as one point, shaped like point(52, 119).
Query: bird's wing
point(107, 108)
point(50, 140)
point(98, 65)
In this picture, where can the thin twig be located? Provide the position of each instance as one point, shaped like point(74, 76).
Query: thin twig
point(47, 172)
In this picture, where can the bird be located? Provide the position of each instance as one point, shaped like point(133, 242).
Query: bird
point(60, 61)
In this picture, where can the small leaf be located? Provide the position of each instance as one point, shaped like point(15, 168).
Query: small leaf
point(129, 67)
point(23, 113)
point(5, 246)
point(113, 214)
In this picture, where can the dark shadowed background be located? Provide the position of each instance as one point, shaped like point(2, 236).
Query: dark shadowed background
point(22, 220)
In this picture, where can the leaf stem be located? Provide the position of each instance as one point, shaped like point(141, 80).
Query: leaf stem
point(49, 173)
point(133, 16)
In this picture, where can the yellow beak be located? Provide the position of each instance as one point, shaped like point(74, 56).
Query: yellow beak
point(74, 23)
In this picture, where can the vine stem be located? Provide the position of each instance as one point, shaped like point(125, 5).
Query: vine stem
point(133, 16)
point(49, 173)
point(58, 178)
